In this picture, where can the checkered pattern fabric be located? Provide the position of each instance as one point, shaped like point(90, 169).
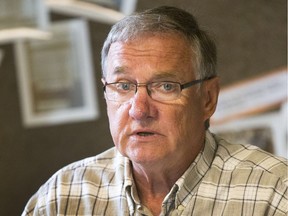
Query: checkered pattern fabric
point(224, 179)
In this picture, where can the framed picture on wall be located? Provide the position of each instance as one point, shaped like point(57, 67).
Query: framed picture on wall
point(55, 76)
point(86, 10)
point(20, 13)
point(124, 6)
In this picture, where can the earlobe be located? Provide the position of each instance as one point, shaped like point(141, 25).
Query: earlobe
point(211, 92)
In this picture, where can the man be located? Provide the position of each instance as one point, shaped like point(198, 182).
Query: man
point(161, 88)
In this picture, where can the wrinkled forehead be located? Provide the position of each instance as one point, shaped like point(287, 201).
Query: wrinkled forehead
point(158, 53)
point(143, 36)
point(151, 44)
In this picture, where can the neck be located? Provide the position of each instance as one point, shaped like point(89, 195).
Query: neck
point(152, 189)
point(153, 184)
point(154, 179)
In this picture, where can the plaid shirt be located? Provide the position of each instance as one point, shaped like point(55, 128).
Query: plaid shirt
point(224, 179)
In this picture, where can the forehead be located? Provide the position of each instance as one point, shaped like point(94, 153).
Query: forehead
point(160, 44)
point(161, 54)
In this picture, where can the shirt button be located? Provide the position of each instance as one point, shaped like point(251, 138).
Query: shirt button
point(181, 208)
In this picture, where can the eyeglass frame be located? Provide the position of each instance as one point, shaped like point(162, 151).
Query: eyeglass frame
point(182, 86)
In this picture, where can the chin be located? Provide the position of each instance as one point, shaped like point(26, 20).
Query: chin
point(144, 156)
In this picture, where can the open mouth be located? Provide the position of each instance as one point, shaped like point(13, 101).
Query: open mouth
point(145, 134)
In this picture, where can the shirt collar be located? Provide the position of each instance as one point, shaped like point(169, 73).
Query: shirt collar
point(189, 182)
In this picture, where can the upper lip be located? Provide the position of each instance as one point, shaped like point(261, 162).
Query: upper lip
point(135, 132)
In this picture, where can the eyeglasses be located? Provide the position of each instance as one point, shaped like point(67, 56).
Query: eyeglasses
point(159, 91)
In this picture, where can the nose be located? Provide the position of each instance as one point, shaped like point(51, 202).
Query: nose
point(141, 107)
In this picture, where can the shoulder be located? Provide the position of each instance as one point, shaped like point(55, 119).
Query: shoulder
point(251, 158)
point(103, 160)
point(90, 178)
point(98, 168)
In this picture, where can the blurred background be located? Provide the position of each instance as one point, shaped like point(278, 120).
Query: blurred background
point(52, 110)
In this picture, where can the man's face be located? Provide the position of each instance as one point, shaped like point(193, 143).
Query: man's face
point(148, 131)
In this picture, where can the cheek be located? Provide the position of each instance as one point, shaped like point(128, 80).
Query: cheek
point(189, 118)
point(118, 117)
point(174, 122)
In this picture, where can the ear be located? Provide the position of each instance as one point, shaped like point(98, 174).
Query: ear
point(210, 96)
point(103, 80)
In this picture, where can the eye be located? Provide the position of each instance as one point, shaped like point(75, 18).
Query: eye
point(123, 86)
point(167, 87)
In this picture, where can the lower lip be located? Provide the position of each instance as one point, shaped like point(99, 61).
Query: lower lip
point(139, 138)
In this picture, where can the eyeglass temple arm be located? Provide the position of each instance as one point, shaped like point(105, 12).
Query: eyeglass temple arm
point(194, 82)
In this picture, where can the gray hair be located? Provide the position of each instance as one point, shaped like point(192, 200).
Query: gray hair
point(166, 20)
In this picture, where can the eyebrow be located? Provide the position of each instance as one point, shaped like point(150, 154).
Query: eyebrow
point(160, 75)
point(164, 75)
point(120, 70)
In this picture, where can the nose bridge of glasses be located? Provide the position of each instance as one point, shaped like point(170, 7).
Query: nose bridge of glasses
point(146, 85)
